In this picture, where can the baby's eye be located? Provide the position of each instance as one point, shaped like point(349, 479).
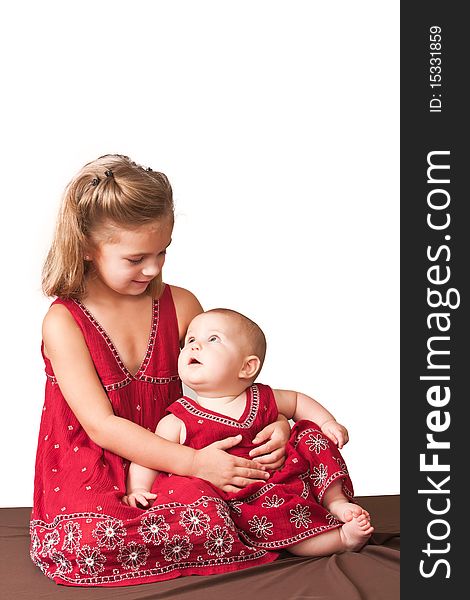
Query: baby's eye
point(214, 338)
point(135, 261)
point(190, 340)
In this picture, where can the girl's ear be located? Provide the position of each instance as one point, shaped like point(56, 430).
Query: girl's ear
point(88, 251)
point(250, 367)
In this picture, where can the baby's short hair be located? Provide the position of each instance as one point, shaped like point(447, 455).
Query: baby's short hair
point(255, 338)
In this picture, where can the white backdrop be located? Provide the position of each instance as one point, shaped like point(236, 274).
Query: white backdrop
point(277, 124)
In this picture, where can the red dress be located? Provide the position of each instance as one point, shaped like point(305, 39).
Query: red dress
point(81, 532)
point(286, 509)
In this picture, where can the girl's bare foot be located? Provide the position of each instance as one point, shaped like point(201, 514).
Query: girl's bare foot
point(355, 532)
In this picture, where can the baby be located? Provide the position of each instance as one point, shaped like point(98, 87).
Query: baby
point(306, 506)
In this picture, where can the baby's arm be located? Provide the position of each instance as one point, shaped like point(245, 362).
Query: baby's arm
point(296, 406)
point(139, 483)
point(140, 479)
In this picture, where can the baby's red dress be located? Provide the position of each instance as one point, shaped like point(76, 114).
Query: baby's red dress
point(81, 532)
point(287, 508)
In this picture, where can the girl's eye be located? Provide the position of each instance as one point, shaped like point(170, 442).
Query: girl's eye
point(135, 261)
point(213, 338)
point(190, 340)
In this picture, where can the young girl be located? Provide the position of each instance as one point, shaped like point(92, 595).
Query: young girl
point(305, 506)
point(110, 344)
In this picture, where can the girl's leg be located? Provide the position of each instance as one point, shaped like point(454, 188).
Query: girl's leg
point(351, 536)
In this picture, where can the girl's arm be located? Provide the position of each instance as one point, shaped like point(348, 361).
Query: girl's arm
point(73, 367)
point(296, 406)
point(140, 479)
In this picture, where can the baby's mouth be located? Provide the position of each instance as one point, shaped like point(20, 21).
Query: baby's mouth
point(194, 361)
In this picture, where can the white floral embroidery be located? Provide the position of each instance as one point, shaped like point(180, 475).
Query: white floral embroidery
point(332, 520)
point(90, 560)
point(234, 505)
point(63, 564)
point(224, 514)
point(133, 555)
point(219, 542)
point(341, 464)
point(273, 502)
point(300, 516)
point(194, 521)
point(50, 540)
point(42, 565)
point(35, 544)
point(109, 533)
point(316, 443)
point(72, 537)
point(319, 475)
point(261, 527)
point(305, 484)
point(154, 530)
point(177, 548)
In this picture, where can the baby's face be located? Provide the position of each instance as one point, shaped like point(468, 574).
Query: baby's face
point(213, 355)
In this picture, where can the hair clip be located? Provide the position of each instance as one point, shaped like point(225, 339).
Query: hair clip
point(95, 181)
point(109, 173)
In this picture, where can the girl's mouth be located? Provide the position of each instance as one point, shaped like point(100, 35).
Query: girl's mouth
point(194, 361)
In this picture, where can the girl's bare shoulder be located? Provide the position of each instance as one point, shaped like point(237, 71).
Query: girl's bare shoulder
point(59, 328)
point(58, 317)
point(183, 296)
point(187, 307)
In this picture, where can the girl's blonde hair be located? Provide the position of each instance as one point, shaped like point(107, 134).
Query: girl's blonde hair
point(111, 189)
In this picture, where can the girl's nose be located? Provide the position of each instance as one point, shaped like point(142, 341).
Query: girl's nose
point(195, 345)
point(151, 269)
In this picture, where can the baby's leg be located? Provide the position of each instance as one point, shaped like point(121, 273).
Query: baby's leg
point(351, 536)
point(339, 506)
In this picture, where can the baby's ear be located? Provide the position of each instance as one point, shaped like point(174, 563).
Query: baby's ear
point(250, 368)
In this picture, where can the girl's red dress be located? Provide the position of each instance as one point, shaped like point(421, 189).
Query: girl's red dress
point(81, 532)
point(287, 508)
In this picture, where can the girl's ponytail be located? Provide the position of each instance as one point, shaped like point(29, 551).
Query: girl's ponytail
point(64, 270)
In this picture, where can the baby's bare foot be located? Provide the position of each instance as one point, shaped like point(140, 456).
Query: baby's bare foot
point(345, 511)
point(355, 533)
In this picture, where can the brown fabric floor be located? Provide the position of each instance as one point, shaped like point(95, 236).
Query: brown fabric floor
point(371, 574)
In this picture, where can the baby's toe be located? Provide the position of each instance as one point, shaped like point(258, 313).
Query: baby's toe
point(347, 516)
point(362, 521)
point(357, 511)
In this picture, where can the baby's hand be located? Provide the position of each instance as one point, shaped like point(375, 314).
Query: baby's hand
point(336, 432)
point(139, 496)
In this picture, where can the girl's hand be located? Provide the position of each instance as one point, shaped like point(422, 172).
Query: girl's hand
point(336, 432)
point(227, 472)
point(139, 496)
point(272, 454)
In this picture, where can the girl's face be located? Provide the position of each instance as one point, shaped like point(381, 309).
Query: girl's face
point(131, 258)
